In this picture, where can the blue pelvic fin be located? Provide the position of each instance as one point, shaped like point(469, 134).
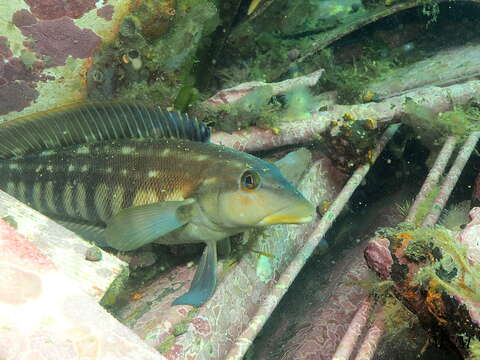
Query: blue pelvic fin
point(134, 227)
point(204, 281)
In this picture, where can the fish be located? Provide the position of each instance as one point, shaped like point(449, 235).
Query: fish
point(127, 174)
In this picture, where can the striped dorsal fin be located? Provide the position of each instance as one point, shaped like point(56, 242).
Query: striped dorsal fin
point(90, 122)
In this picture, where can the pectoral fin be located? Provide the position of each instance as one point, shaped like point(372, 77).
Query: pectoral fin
point(204, 281)
point(137, 226)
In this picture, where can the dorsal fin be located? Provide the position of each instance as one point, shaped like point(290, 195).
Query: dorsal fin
point(89, 122)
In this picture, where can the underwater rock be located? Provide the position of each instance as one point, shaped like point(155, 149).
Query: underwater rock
point(378, 256)
point(436, 275)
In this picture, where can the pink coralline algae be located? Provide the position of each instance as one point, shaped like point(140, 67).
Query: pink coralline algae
point(175, 352)
point(106, 12)
point(15, 96)
point(17, 83)
point(378, 257)
point(469, 237)
point(14, 245)
point(56, 39)
point(201, 326)
point(55, 9)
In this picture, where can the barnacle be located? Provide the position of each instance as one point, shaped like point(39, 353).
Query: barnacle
point(368, 96)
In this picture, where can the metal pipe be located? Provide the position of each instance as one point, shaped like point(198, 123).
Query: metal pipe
point(238, 350)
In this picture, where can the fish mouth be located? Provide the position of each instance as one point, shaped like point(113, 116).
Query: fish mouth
point(300, 213)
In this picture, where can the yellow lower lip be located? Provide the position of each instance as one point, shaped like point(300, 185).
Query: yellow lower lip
point(300, 214)
point(272, 220)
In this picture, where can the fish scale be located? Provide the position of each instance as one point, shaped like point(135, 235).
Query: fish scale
point(105, 166)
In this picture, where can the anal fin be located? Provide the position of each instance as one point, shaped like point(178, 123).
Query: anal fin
point(204, 281)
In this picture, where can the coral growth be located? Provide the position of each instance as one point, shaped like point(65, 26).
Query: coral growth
point(432, 129)
point(434, 277)
point(154, 58)
point(351, 141)
point(259, 107)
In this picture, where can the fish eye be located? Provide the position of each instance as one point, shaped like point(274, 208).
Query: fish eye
point(250, 180)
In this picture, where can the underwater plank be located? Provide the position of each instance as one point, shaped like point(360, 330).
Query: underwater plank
point(438, 99)
point(312, 241)
point(316, 312)
point(64, 248)
point(447, 67)
point(354, 330)
point(208, 332)
point(44, 314)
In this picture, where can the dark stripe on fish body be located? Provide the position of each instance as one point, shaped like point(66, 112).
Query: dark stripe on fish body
point(77, 189)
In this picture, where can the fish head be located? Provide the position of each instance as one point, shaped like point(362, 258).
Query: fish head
point(250, 192)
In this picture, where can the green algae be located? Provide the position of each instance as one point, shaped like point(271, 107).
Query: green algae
point(155, 63)
point(178, 329)
point(474, 349)
point(259, 107)
point(351, 80)
point(451, 271)
point(431, 9)
point(456, 216)
point(11, 221)
point(432, 128)
point(166, 345)
point(116, 288)
point(443, 259)
point(426, 205)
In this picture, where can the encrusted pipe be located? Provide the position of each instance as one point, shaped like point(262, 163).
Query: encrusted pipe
point(433, 177)
point(237, 351)
point(439, 99)
point(354, 330)
point(372, 338)
point(451, 179)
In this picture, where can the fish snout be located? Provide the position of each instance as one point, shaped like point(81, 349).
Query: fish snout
point(302, 212)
